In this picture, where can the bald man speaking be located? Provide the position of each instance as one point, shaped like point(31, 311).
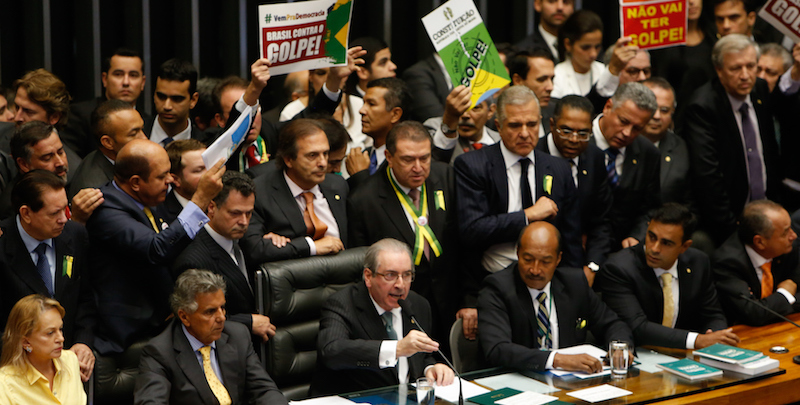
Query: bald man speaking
point(132, 247)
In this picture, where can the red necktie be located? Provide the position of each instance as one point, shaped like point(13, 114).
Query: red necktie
point(252, 159)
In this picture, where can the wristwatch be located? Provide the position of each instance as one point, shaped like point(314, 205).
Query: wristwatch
point(447, 130)
point(593, 267)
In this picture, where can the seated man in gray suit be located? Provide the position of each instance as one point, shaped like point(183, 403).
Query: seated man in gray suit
point(359, 346)
point(199, 358)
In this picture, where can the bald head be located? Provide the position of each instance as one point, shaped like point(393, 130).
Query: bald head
point(539, 253)
point(142, 171)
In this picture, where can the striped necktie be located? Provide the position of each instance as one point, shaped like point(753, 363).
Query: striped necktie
point(545, 336)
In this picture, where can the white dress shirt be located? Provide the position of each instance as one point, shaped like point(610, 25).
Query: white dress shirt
point(158, 134)
point(321, 209)
point(551, 145)
point(602, 143)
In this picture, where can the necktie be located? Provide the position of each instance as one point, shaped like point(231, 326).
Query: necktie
point(766, 280)
point(387, 324)
point(252, 158)
point(314, 226)
point(213, 382)
point(611, 167)
point(151, 218)
point(373, 162)
point(524, 184)
point(754, 163)
point(237, 253)
point(477, 145)
point(669, 300)
point(166, 141)
point(574, 169)
point(414, 194)
point(43, 267)
point(543, 320)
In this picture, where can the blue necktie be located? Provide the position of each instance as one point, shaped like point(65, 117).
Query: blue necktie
point(611, 167)
point(166, 141)
point(543, 320)
point(43, 267)
point(373, 162)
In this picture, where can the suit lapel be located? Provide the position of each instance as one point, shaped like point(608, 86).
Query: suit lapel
point(63, 248)
point(228, 366)
point(498, 173)
point(187, 360)
point(652, 285)
point(285, 201)
point(21, 262)
point(566, 314)
point(525, 303)
point(685, 284)
point(337, 204)
point(541, 169)
point(366, 312)
point(394, 210)
point(231, 270)
point(629, 166)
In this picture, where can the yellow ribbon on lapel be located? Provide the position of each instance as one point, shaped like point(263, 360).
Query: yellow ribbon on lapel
point(66, 266)
point(548, 184)
point(440, 200)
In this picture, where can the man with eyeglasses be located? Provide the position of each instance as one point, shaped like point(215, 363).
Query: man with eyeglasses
point(632, 163)
point(572, 128)
point(627, 64)
point(366, 340)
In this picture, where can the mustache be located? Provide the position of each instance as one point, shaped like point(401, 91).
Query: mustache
point(466, 124)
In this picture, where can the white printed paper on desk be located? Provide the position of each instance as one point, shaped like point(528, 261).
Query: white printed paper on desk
point(600, 393)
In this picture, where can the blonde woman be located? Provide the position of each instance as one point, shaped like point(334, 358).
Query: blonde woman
point(34, 367)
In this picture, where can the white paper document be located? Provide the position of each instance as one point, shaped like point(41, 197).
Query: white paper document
point(229, 141)
point(593, 351)
point(516, 381)
point(599, 393)
point(649, 359)
point(527, 398)
point(449, 393)
point(331, 400)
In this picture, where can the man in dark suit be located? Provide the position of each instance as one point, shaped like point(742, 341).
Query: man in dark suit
point(359, 345)
point(186, 168)
point(114, 123)
point(517, 307)
point(132, 246)
point(123, 79)
point(675, 180)
point(734, 156)
point(758, 263)
point(536, 70)
point(572, 129)
point(216, 248)
point(299, 201)
point(175, 94)
point(632, 163)
point(41, 252)
point(665, 292)
point(497, 186)
point(391, 205)
point(430, 84)
point(552, 14)
point(200, 358)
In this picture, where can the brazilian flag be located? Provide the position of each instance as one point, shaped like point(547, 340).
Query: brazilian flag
point(338, 27)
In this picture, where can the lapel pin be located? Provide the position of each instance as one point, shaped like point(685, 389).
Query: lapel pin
point(688, 270)
point(584, 172)
point(337, 197)
point(668, 159)
point(634, 161)
point(758, 100)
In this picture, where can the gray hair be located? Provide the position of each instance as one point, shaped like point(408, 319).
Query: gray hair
point(731, 43)
point(777, 51)
point(514, 95)
point(641, 95)
point(372, 258)
point(754, 220)
point(189, 284)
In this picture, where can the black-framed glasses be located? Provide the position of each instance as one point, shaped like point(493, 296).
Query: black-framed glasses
point(568, 133)
point(391, 276)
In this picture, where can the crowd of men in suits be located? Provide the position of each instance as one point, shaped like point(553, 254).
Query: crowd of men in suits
point(508, 215)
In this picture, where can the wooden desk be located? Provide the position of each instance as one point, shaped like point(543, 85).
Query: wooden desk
point(782, 389)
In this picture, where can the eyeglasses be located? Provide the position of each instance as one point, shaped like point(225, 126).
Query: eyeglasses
point(632, 71)
point(567, 134)
point(391, 276)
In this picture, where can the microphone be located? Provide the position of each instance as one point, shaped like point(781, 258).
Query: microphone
point(404, 306)
point(762, 306)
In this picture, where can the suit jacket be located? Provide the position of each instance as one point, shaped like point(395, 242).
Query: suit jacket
point(169, 372)
point(483, 217)
point(205, 253)
point(129, 271)
point(463, 146)
point(675, 179)
point(195, 134)
point(350, 336)
point(94, 171)
point(19, 278)
point(507, 318)
point(535, 40)
point(735, 276)
point(374, 213)
point(276, 211)
point(595, 201)
point(170, 208)
point(632, 290)
point(716, 152)
point(637, 192)
point(428, 89)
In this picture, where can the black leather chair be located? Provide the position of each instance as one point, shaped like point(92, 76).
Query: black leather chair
point(292, 294)
point(115, 376)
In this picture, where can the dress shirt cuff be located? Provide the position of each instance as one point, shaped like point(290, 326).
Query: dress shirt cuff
point(192, 218)
point(311, 246)
point(786, 85)
point(240, 104)
point(387, 357)
point(334, 96)
point(607, 83)
point(425, 372)
point(690, 339)
point(550, 358)
point(441, 141)
point(789, 297)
